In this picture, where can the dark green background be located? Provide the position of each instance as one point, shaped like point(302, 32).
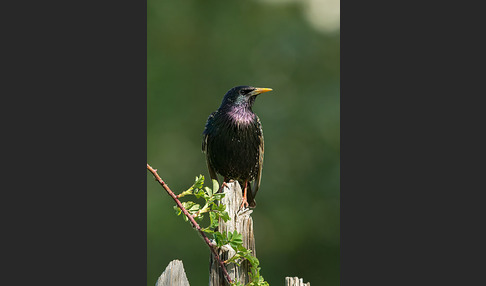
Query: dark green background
point(197, 50)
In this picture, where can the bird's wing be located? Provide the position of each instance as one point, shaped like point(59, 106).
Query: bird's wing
point(256, 182)
point(212, 173)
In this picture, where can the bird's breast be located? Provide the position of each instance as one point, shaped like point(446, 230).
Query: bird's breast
point(234, 148)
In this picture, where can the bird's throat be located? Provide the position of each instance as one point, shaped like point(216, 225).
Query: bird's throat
point(241, 114)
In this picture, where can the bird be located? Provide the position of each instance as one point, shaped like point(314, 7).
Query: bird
point(233, 141)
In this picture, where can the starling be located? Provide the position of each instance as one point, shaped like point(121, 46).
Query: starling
point(233, 141)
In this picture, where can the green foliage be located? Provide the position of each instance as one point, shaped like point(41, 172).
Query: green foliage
point(216, 211)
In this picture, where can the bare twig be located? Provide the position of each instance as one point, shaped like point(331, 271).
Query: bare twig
point(191, 219)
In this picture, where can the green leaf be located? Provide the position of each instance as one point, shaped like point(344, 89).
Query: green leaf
point(218, 196)
point(237, 234)
point(194, 208)
point(235, 239)
point(241, 248)
point(199, 193)
point(224, 216)
point(215, 186)
point(253, 261)
point(199, 182)
point(187, 204)
point(191, 207)
point(207, 230)
point(213, 218)
point(219, 238)
point(177, 210)
point(185, 193)
point(208, 191)
point(218, 208)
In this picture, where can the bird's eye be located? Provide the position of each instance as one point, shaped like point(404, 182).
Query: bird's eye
point(245, 91)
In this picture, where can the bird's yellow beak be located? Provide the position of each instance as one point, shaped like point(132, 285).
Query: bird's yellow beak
point(259, 90)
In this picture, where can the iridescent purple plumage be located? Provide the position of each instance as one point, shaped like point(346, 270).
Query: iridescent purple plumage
point(241, 114)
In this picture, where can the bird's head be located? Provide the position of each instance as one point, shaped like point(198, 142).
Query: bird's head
point(243, 96)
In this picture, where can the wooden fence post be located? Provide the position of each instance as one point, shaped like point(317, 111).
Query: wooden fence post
point(243, 223)
point(173, 275)
point(295, 281)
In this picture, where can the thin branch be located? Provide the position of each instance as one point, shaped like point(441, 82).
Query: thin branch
point(191, 219)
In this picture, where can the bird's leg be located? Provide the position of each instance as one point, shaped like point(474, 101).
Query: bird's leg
point(244, 202)
point(223, 185)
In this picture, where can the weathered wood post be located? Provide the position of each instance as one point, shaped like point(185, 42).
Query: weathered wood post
point(295, 281)
point(173, 275)
point(243, 223)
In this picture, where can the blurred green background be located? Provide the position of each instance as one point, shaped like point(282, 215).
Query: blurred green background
point(198, 50)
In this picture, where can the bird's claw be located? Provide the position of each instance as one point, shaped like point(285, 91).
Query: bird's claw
point(244, 204)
